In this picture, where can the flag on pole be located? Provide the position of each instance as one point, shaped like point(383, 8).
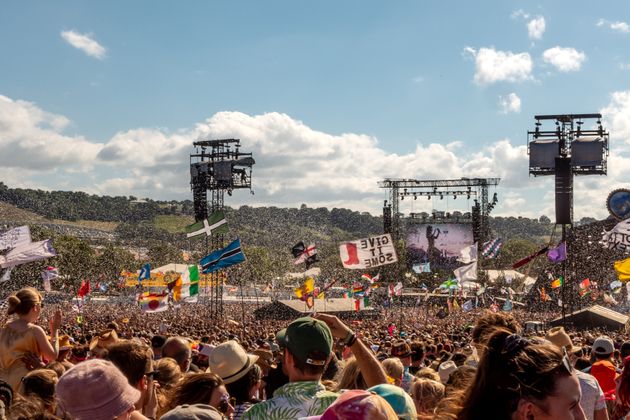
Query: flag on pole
point(50, 273)
point(213, 225)
point(558, 254)
point(33, 251)
point(529, 258)
point(468, 254)
point(398, 289)
point(557, 282)
point(467, 306)
point(623, 269)
point(584, 287)
point(466, 272)
point(450, 283)
point(145, 272)
point(223, 258)
point(507, 306)
point(151, 303)
point(421, 268)
point(306, 288)
point(543, 295)
point(189, 288)
point(303, 254)
point(84, 289)
point(491, 248)
point(15, 238)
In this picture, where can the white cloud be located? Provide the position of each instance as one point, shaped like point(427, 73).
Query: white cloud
point(624, 66)
point(509, 103)
point(564, 59)
point(85, 43)
point(493, 66)
point(618, 26)
point(616, 116)
point(536, 28)
point(295, 163)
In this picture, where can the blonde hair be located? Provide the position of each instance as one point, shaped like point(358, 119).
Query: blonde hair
point(21, 302)
point(426, 394)
point(428, 373)
point(350, 376)
point(167, 372)
point(394, 368)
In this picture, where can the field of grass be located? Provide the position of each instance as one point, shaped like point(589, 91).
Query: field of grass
point(10, 213)
point(173, 224)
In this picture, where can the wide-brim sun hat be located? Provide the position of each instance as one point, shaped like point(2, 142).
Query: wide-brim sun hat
point(230, 361)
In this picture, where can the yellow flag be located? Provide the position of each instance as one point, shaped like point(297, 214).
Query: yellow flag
point(456, 306)
point(306, 288)
point(623, 269)
point(177, 289)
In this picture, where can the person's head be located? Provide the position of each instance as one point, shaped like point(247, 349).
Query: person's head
point(230, 361)
point(523, 379)
point(134, 360)
point(178, 348)
point(460, 378)
point(40, 383)
point(358, 405)
point(487, 323)
point(96, 390)
point(157, 341)
point(307, 344)
point(26, 303)
point(350, 376)
point(100, 343)
point(166, 372)
point(394, 369)
point(426, 394)
point(402, 350)
point(400, 401)
point(428, 373)
point(603, 348)
point(244, 388)
point(200, 388)
point(58, 367)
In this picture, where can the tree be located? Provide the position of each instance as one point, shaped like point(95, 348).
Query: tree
point(544, 220)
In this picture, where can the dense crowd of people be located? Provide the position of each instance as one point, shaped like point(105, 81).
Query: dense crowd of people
point(105, 361)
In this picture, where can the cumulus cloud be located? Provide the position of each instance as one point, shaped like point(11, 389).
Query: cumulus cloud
point(32, 139)
point(509, 103)
point(295, 163)
point(618, 26)
point(520, 13)
point(493, 66)
point(564, 59)
point(85, 43)
point(536, 28)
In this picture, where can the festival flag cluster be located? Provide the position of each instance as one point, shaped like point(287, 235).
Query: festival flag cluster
point(152, 302)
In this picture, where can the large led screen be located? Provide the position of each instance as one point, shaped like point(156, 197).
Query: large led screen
point(438, 243)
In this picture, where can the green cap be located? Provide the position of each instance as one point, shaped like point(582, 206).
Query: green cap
point(308, 339)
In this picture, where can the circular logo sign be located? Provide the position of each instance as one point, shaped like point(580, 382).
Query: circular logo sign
point(618, 203)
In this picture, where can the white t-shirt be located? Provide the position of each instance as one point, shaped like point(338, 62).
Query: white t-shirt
point(592, 395)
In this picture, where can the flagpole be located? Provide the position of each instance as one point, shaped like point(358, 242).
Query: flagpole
point(564, 274)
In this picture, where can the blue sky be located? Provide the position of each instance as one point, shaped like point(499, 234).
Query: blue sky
point(107, 97)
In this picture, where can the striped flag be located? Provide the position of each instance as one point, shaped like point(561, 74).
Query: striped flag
point(215, 224)
point(491, 248)
point(223, 258)
point(557, 282)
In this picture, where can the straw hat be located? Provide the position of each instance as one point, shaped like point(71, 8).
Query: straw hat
point(266, 358)
point(559, 338)
point(230, 361)
point(64, 342)
point(104, 339)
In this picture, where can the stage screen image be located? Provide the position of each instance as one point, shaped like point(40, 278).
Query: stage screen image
point(438, 243)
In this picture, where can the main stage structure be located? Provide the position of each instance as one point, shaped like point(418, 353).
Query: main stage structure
point(220, 167)
point(476, 188)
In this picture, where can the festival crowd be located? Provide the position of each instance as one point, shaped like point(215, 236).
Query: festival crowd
point(115, 362)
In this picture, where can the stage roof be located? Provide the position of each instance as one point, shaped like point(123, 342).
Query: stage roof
point(594, 316)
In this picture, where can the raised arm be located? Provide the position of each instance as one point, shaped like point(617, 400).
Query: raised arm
point(370, 367)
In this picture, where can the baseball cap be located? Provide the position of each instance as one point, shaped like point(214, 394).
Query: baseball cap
point(400, 401)
point(603, 345)
point(308, 339)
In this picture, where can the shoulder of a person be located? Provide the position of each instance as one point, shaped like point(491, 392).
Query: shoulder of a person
point(136, 415)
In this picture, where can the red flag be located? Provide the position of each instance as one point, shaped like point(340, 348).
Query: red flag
point(84, 289)
point(529, 258)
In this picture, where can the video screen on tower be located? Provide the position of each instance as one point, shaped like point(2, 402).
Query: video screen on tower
point(438, 244)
